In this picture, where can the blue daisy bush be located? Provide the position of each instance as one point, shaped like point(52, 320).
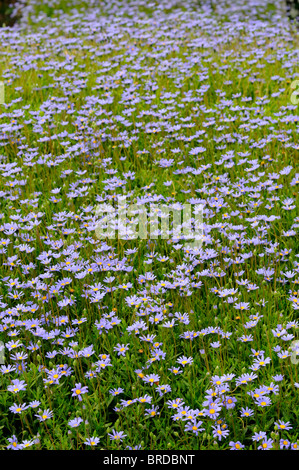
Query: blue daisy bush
point(149, 342)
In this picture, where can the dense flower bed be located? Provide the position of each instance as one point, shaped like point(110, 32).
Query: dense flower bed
point(149, 343)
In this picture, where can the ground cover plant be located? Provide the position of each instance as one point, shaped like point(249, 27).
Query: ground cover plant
point(149, 343)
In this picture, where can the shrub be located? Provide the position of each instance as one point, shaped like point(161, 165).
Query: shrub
point(6, 8)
